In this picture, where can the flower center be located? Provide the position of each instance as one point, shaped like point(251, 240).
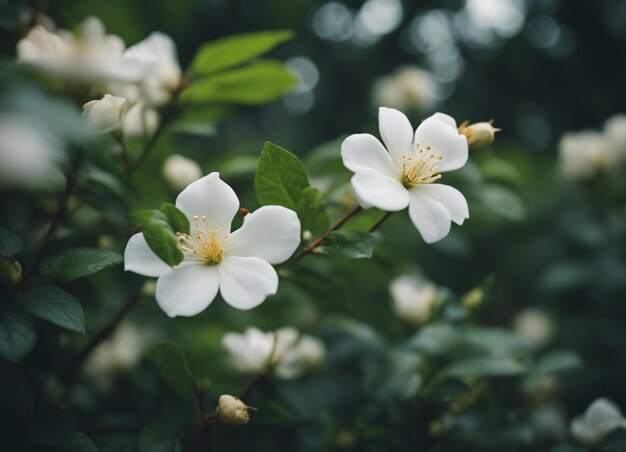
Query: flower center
point(420, 168)
point(204, 243)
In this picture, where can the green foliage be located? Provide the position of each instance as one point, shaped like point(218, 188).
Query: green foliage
point(349, 244)
point(10, 244)
point(159, 228)
point(485, 367)
point(231, 51)
point(255, 84)
point(555, 361)
point(79, 262)
point(54, 305)
point(16, 394)
point(282, 180)
point(170, 361)
point(52, 426)
point(159, 436)
point(17, 335)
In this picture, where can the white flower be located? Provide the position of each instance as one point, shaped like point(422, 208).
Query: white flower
point(615, 133)
point(164, 76)
point(107, 114)
point(583, 155)
point(601, 417)
point(407, 88)
point(413, 298)
point(179, 171)
point(28, 155)
point(403, 174)
point(232, 411)
point(285, 351)
point(90, 56)
point(534, 325)
point(140, 121)
point(237, 263)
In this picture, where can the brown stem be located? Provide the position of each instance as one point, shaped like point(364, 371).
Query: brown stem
point(318, 241)
point(251, 385)
point(103, 334)
point(380, 222)
point(149, 145)
point(59, 213)
point(125, 154)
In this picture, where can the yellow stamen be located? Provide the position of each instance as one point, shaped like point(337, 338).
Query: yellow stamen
point(205, 242)
point(420, 168)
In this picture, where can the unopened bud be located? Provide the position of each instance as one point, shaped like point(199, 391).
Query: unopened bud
point(107, 114)
point(232, 411)
point(473, 299)
point(479, 135)
point(244, 212)
point(10, 272)
point(179, 171)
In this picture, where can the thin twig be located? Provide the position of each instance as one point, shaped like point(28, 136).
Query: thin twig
point(318, 241)
point(103, 334)
point(380, 222)
point(125, 154)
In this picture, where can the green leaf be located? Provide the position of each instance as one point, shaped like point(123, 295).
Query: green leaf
point(485, 367)
point(52, 426)
point(258, 83)
point(80, 262)
point(313, 216)
point(280, 178)
point(350, 244)
point(159, 436)
point(80, 443)
point(54, 305)
point(10, 243)
point(502, 202)
point(16, 394)
point(170, 361)
point(17, 335)
point(557, 361)
point(159, 228)
point(233, 50)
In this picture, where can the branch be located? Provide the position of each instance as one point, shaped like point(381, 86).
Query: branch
point(380, 222)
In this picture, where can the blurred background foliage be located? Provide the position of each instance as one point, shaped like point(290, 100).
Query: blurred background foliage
point(534, 239)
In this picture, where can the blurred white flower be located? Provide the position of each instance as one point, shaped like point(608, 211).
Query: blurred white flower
point(179, 171)
point(615, 133)
point(601, 417)
point(140, 121)
point(583, 155)
point(232, 411)
point(534, 325)
point(403, 174)
point(107, 114)
point(28, 156)
point(158, 53)
point(90, 56)
point(408, 88)
point(237, 263)
point(285, 352)
point(413, 299)
point(121, 352)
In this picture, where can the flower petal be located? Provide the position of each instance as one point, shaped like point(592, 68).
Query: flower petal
point(271, 233)
point(450, 198)
point(212, 197)
point(364, 151)
point(245, 282)
point(397, 133)
point(431, 219)
point(139, 258)
point(188, 289)
point(440, 133)
point(374, 189)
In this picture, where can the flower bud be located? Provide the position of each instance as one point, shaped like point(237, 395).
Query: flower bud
point(232, 411)
point(473, 299)
point(10, 272)
point(479, 135)
point(107, 114)
point(179, 172)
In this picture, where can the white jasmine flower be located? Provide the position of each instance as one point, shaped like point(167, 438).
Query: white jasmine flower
point(140, 121)
point(232, 411)
point(615, 133)
point(28, 156)
point(91, 56)
point(534, 325)
point(237, 263)
point(164, 76)
point(583, 155)
point(285, 352)
point(407, 88)
point(413, 299)
point(403, 174)
point(107, 114)
point(601, 417)
point(179, 171)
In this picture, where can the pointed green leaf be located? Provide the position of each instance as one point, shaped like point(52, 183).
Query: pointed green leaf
point(10, 243)
point(350, 244)
point(159, 228)
point(170, 361)
point(485, 367)
point(257, 83)
point(176, 219)
point(54, 305)
point(159, 436)
point(17, 335)
point(80, 262)
point(311, 212)
point(234, 50)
